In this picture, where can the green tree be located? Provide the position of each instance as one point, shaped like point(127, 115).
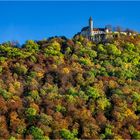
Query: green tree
point(37, 133)
point(66, 134)
point(31, 113)
point(92, 92)
point(31, 46)
point(112, 49)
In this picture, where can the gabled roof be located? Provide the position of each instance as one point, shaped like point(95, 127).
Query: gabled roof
point(85, 28)
point(94, 29)
point(98, 29)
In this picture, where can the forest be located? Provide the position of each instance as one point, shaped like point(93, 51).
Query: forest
point(60, 88)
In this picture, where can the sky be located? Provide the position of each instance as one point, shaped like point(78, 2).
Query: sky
point(25, 20)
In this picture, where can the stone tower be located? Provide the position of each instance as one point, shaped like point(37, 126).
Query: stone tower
point(90, 26)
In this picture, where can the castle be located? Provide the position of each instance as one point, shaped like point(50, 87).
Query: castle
point(100, 34)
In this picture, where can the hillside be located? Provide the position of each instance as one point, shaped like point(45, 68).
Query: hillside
point(70, 89)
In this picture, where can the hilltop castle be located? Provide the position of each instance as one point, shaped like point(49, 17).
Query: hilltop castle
point(100, 34)
point(95, 34)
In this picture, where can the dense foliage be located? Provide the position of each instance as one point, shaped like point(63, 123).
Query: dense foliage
point(70, 89)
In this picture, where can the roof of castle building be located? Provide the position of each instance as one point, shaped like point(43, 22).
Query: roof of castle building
point(94, 29)
point(85, 28)
point(98, 29)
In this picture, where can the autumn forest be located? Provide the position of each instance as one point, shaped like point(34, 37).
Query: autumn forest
point(62, 88)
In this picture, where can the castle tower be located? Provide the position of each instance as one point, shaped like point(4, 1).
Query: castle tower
point(90, 26)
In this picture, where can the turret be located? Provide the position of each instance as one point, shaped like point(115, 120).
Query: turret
point(90, 25)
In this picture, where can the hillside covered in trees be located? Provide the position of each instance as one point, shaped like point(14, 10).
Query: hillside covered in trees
point(63, 88)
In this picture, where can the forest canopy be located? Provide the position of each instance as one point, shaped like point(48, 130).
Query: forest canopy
point(62, 88)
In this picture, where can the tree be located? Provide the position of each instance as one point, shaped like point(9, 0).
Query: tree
point(31, 113)
point(92, 92)
point(37, 133)
point(112, 49)
point(20, 69)
point(31, 46)
point(103, 103)
point(66, 134)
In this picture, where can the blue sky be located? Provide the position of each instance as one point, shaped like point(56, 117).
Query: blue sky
point(39, 20)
